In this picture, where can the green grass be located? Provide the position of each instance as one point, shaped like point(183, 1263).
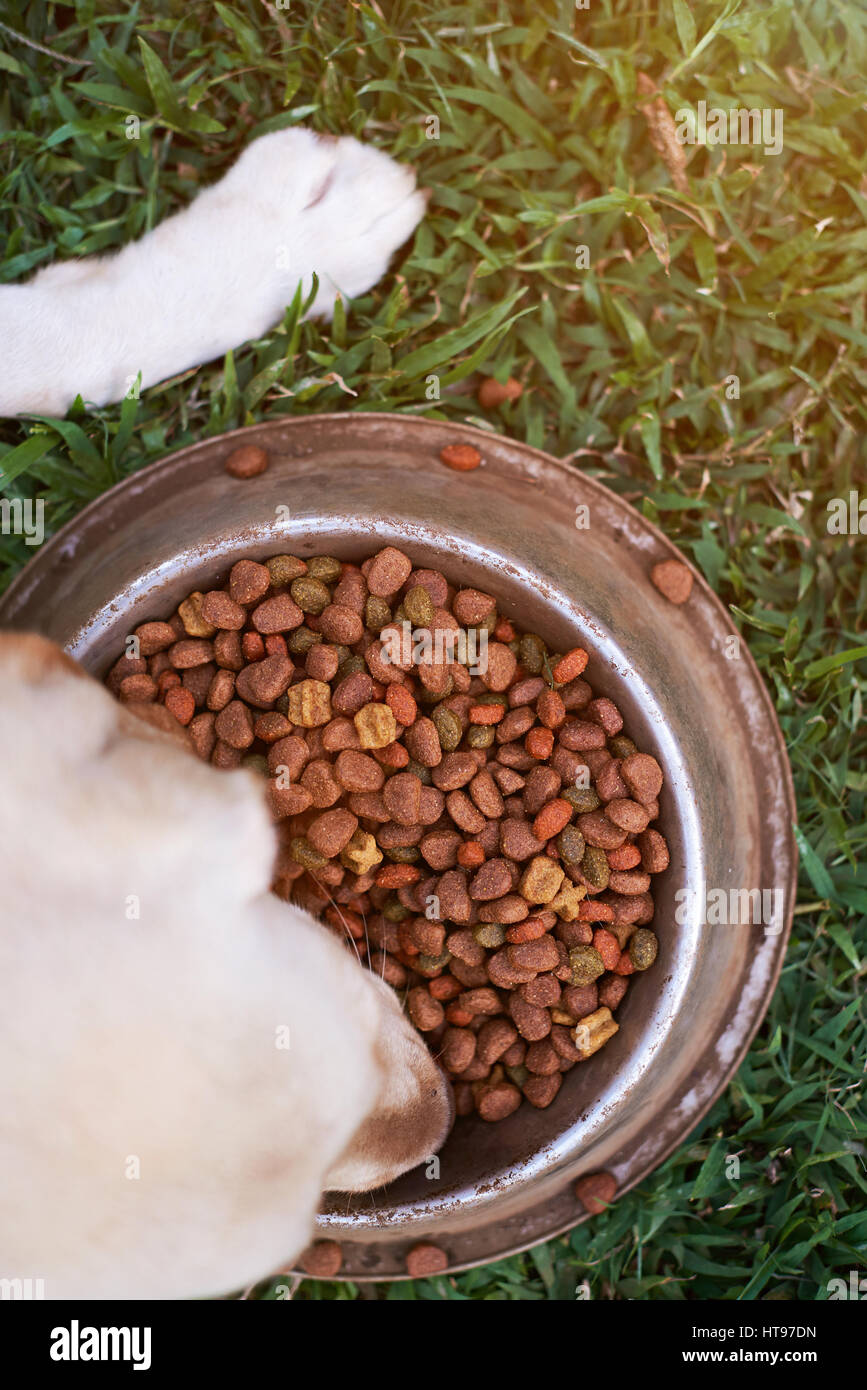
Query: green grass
point(756, 269)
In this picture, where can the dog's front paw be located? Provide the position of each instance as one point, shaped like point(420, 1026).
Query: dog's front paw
point(339, 208)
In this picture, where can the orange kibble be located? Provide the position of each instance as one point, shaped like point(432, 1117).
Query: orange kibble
point(471, 855)
point(627, 857)
point(392, 755)
point(252, 647)
point(539, 743)
point(624, 966)
point(344, 920)
point(407, 945)
point(486, 714)
point(165, 681)
point(592, 911)
point(554, 816)
point(570, 665)
point(492, 393)
point(608, 946)
point(401, 704)
point(531, 929)
point(445, 987)
point(275, 644)
point(397, 875)
point(461, 1018)
point(181, 702)
point(463, 458)
point(504, 631)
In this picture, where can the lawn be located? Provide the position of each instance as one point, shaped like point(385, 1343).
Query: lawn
point(703, 355)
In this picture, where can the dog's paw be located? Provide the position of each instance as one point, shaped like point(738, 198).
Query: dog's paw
point(338, 208)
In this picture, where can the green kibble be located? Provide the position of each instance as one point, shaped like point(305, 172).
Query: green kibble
point(517, 1075)
point(582, 798)
point(621, 747)
point(400, 614)
point(489, 934)
point(394, 911)
point(256, 763)
point(418, 606)
point(301, 640)
point(586, 964)
point(643, 948)
point(480, 735)
point(404, 854)
point(324, 567)
point(422, 773)
point(349, 667)
point(570, 843)
point(432, 965)
point(281, 704)
point(531, 652)
point(448, 727)
point(492, 697)
point(377, 613)
point(303, 852)
point(311, 595)
point(489, 623)
point(284, 568)
point(595, 868)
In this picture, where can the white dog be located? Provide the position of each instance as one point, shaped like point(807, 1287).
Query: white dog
point(188, 1061)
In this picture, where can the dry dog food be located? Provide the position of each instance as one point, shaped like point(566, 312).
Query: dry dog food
point(450, 795)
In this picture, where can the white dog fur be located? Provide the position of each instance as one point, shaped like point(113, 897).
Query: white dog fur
point(209, 278)
point(157, 1137)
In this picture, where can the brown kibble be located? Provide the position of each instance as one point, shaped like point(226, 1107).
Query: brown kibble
point(155, 637)
point(247, 461)
point(278, 614)
point(426, 1012)
point(248, 581)
point(322, 1260)
point(222, 611)
point(492, 393)
point(388, 571)
point(332, 831)
point(498, 1102)
point(643, 775)
point(673, 580)
point(596, 1191)
point(654, 852)
point(425, 1260)
point(181, 703)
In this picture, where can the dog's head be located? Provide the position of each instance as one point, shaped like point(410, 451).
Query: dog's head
point(166, 1005)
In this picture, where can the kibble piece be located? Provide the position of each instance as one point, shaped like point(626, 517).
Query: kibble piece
point(425, 1260)
point(492, 393)
point(673, 580)
point(643, 948)
point(376, 725)
point(388, 571)
point(222, 611)
point(461, 458)
point(361, 854)
point(190, 613)
point(309, 704)
point(586, 965)
point(247, 461)
point(282, 569)
point(331, 832)
point(596, 1192)
point(277, 614)
point(322, 1260)
point(248, 581)
point(541, 880)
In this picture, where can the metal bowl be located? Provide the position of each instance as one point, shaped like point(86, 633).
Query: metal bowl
point(689, 693)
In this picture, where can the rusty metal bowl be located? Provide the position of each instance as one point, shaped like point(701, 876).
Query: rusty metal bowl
point(347, 484)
